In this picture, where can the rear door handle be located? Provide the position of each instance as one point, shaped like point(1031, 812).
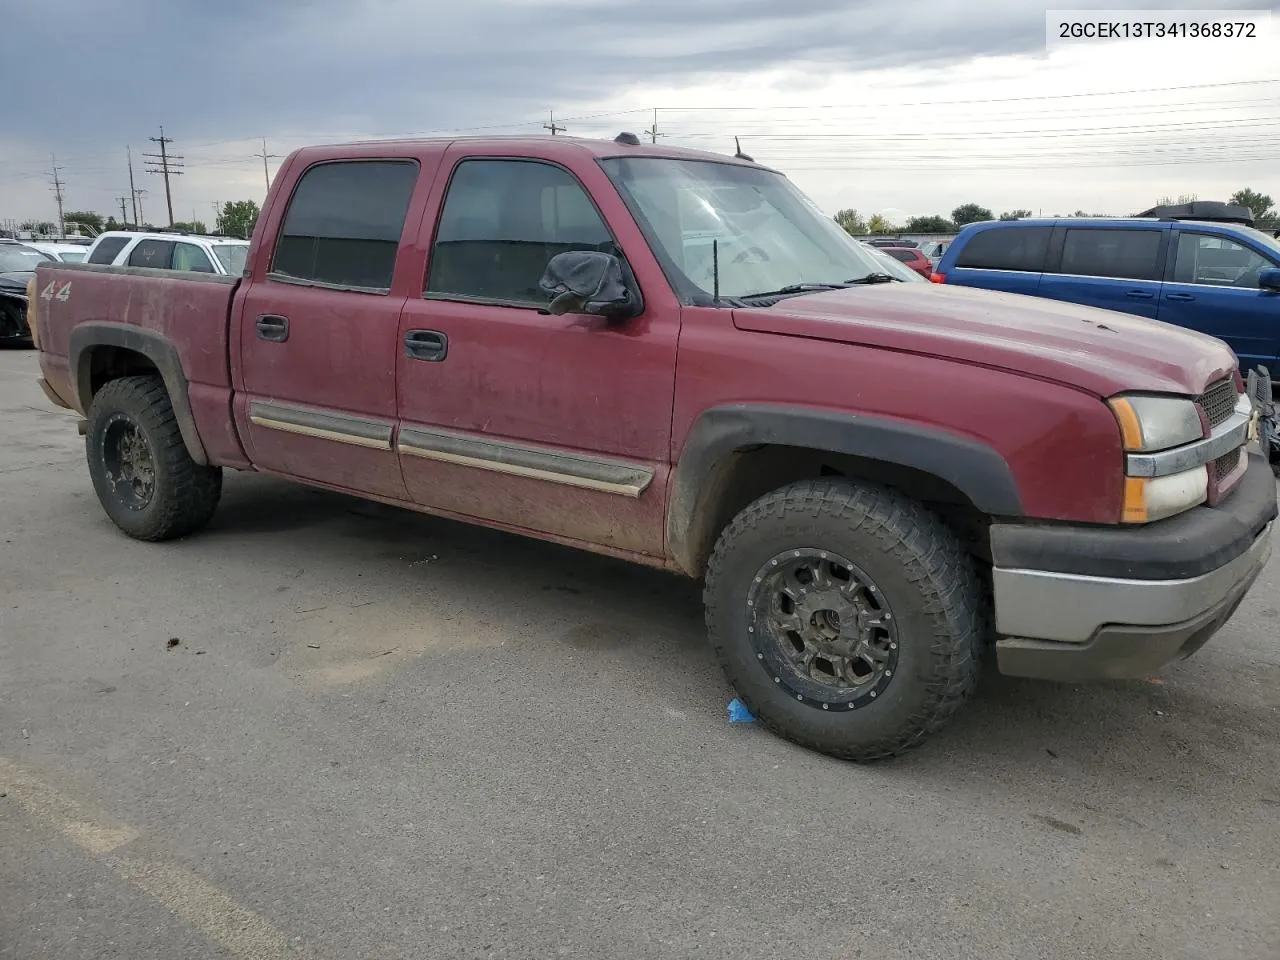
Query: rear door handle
point(1180, 297)
point(273, 328)
point(429, 345)
point(1139, 295)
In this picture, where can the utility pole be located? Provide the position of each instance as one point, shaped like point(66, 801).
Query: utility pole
point(553, 126)
point(266, 173)
point(57, 192)
point(652, 133)
point(170, 165)
point(124, 214)
point(133, 191)
point(137, 199)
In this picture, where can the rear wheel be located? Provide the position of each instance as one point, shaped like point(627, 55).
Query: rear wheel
point(847, 617)
point(142, 473)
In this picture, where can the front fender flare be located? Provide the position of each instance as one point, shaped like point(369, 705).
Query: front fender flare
point(976, 470)
point(156, 348)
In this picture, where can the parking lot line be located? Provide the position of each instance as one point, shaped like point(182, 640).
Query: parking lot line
point(196, 901)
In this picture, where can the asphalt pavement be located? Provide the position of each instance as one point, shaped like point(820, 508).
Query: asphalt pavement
point(329, 729)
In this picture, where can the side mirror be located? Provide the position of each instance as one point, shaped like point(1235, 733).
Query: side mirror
point(1269, 278)
point(590, 282)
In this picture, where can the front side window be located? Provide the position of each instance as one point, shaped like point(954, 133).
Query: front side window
point(157, 254)
point(1217, 261)
point(502, 222)
point(344, 223)
point(1120, 254)
point(1006, 248)
point(187, 256)
point(745, 225)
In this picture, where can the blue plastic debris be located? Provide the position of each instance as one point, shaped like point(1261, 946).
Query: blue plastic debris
point(738, 712)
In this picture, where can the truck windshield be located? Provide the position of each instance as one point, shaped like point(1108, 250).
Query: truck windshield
point(232, 256)
point(769, 235)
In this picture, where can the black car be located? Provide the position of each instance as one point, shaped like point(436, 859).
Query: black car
point(18, 264)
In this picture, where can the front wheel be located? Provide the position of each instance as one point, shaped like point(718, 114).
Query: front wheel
point(142, 473)
point(846, 616)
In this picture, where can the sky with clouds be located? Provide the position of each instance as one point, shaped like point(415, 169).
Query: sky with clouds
point(911, 107)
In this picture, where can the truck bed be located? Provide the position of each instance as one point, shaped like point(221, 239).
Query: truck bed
point(189, 313)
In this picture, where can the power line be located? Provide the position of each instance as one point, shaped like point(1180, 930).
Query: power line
point(57, 192)
point(266, 173)
point(169, 166)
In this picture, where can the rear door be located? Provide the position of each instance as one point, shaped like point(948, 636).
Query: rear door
point(1116, 268)
point(1212, 286)
point(1001, 258)
point(317, 329)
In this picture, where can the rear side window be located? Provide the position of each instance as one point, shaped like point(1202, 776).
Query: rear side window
point(903, 255)
point(152, 253)
point(502, 222)
point(1010, 248)
point(344, 222)
point(187, 256)
point(107, 248)
point(1123, 254)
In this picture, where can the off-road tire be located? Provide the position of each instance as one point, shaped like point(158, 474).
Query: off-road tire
point(185, 494)
point(920, 567)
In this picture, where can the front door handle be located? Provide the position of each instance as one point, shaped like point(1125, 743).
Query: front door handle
point(273, 328)
point(1180, 297)
point(426, 345)
point(1139, 295)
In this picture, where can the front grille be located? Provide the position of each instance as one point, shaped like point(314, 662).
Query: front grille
point(1218, 401)
point(1225, 464)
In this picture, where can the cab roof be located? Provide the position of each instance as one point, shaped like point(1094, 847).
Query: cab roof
point(544, 146)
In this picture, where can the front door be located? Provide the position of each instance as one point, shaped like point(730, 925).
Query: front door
point(554, 424)
point(317, 330)
point(1214, 289)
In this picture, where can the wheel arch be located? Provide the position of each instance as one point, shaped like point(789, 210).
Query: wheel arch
point(100, 351)
point(734, 454)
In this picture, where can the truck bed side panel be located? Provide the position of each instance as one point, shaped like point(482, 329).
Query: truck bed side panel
point(190, 311)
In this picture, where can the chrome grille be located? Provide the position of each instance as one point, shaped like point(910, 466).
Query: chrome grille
point(1218, 401)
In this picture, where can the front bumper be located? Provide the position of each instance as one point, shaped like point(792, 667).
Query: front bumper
point(1088, 603)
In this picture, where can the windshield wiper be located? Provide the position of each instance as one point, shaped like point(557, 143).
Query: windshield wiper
point(793, 288)
point(875, 278)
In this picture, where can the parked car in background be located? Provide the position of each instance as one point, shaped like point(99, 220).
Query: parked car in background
point(896, 268)
point(1199, 266)
point(889, 242)
point(59, 250)
point(934, 249)
point(222, 256)
point(18, 261)
point(912, 258)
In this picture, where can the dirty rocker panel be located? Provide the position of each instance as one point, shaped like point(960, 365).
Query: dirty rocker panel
point(572, 469)
point(323, 424)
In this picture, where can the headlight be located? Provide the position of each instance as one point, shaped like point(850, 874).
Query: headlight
point(1154, 498)
point(1150, 424)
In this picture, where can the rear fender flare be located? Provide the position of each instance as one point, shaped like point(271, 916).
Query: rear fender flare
point(976, 470)
point(156, 348)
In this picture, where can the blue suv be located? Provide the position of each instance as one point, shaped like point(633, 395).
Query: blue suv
point(1202, 266)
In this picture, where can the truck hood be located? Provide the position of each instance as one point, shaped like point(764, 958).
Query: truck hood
point(1100, 351)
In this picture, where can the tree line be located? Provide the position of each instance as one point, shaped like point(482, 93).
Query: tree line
point(1265, 216)
point(235, 219)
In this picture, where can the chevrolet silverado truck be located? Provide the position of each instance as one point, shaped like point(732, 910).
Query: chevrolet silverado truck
point(675, 358)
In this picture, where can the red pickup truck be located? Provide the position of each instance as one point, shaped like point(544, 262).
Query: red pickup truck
point(674, 357)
